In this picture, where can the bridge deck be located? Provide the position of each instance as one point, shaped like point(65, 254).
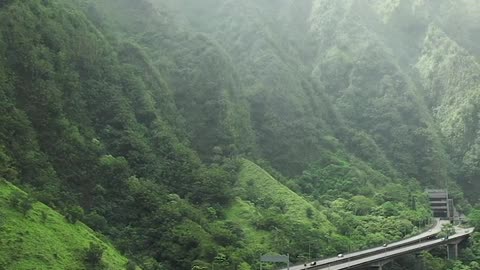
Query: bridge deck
point(396, 252)
point(364, 254)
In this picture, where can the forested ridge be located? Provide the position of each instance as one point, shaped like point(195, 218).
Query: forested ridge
point(197, 134)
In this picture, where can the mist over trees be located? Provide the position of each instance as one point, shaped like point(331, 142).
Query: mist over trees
point(197, 134)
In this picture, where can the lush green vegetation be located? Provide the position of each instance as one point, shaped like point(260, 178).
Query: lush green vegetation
point(196, 133)
point(33, 236)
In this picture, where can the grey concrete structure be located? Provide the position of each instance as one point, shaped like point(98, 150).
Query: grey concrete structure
point(376, 258)
point(440, 203)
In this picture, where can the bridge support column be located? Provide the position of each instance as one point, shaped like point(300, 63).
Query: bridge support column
point(379, 265)
point(452, 251)
point(418, 262)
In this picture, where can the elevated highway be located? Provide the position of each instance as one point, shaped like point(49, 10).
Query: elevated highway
point(376, 257)
point(377, 260)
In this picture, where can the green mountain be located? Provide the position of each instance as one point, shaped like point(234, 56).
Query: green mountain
point(194, 134)
point(36, 237)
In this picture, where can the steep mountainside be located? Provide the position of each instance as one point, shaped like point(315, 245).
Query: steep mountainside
point(370, 67)
point(451, 81)
point(33, 236)
point(204, 133)
point(344, 61)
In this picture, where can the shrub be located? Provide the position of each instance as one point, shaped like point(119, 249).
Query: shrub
point(131, 266)
point(94, 254)
point(21, 202)
point(74, 214)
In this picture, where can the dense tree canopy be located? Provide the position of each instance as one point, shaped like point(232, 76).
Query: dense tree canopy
point(198, 133)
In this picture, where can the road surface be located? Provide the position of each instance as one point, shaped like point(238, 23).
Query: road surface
point(354, 255)
point(396, 252)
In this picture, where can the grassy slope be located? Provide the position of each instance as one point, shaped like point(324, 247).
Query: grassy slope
point(28, 243)
point(267, 188)
point(242, 213)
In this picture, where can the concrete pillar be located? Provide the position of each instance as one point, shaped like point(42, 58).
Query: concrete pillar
point(452, 251)
point(418, 262)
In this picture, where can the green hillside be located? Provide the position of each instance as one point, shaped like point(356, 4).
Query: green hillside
point(198, 134)
point(269, 213)
point(275, 218)
point(262, 187)
point(41, 238)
